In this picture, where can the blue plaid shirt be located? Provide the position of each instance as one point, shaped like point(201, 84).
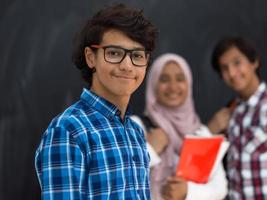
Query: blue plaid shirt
point(89, 152)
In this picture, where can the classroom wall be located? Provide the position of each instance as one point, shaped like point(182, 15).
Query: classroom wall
point(38, 80)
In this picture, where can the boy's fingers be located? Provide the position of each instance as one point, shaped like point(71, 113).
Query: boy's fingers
point(175, 179)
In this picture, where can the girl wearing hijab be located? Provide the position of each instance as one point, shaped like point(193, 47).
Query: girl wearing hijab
point(170, 107)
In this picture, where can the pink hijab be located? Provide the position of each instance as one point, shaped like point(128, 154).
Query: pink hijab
point(176, 122)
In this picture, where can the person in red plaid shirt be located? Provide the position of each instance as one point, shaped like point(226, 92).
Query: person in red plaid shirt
point(238, 63)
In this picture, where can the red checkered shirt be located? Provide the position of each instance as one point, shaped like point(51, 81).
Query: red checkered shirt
point(247, 155)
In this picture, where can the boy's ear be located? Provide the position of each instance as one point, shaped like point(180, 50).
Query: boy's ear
point(256, 63)
point(90, 57)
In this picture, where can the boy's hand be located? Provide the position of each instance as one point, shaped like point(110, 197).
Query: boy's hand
point(220, 120)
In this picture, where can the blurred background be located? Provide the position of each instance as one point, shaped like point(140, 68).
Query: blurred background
point(38, 79)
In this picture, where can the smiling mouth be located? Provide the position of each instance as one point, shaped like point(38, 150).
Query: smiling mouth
point(174, 94)
point(123, 77)
point(174, 98)
point(236, 82)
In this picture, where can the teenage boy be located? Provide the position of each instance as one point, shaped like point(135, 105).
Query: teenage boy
point(237, 62)
point(93, 150)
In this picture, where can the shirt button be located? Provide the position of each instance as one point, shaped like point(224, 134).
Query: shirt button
point(136, 158)
point(133, 158)
point(118, 112)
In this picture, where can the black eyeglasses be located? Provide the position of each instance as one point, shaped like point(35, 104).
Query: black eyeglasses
point(115, 55)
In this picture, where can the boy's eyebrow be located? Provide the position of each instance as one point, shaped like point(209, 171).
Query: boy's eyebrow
point(118, 46)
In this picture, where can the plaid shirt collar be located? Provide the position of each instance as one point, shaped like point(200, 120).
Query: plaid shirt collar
point(255, 97)
point(102, 105)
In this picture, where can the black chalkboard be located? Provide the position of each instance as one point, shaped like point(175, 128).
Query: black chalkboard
point(38, 80)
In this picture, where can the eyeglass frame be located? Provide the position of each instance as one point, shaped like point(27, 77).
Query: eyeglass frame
point(126, 51)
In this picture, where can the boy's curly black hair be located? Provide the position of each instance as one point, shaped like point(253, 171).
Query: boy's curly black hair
point(128, 20)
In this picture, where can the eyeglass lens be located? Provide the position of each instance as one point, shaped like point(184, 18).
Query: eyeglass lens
point(116, 55)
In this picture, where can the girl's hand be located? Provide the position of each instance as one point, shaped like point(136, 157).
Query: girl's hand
point(175, 189)
point(158, 139)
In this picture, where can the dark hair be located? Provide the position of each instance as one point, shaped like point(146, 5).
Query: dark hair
point(128, 20)
point(227, 43)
